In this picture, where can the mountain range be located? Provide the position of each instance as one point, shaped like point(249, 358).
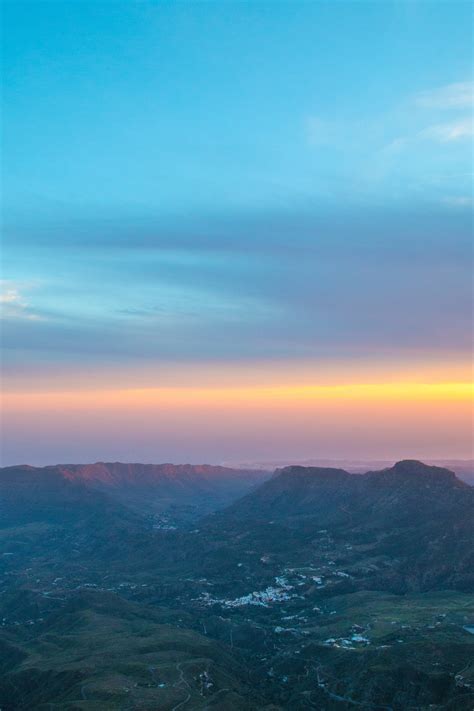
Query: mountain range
point(185, 490)
point(128, 586)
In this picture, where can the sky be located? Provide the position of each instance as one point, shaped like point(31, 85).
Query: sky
point(236, 231)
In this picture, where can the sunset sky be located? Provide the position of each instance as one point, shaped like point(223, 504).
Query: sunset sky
point(236, 231)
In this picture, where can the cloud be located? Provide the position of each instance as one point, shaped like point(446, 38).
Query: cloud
point(452, 96)
point(395, 146)
point(266, 286)
point(11, 296)
point(13, 304)
point(448, 132)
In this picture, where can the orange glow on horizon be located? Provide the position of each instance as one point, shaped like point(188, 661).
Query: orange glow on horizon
point(249, 397)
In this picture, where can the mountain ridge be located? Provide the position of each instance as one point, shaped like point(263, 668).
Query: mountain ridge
point(189, 491)
point(317, 588)
point(419, 519)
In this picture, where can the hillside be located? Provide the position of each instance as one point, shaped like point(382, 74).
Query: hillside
point(412, 524)
point(316, 589)
point(100, 651)
point(183, 491)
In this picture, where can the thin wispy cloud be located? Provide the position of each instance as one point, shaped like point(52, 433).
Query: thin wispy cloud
point(459, 95)
point(448, 132)
point(13, 304)
point(439, 115)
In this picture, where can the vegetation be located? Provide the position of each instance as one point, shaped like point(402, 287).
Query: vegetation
point(318, 589)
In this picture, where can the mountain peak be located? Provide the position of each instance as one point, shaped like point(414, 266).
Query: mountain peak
point(412, 470)
point(411, 465)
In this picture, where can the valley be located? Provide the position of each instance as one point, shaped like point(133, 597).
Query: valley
point(316, 589)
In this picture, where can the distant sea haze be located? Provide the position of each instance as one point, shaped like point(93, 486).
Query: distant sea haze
point(231, 421)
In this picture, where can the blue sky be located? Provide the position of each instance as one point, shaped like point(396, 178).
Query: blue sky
point(232, 181)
